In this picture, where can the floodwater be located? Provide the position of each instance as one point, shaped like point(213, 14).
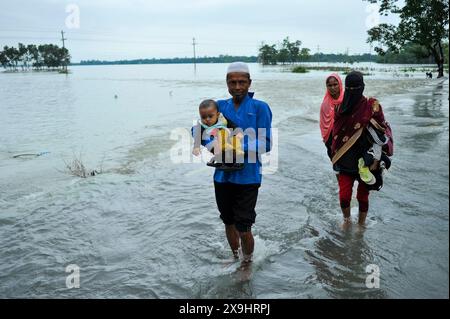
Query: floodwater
point(148, 227)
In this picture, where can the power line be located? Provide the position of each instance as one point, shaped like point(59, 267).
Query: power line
point(98, 37)
point(94, 40)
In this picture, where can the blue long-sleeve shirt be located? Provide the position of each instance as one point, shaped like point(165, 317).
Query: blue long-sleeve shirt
point(251, 114)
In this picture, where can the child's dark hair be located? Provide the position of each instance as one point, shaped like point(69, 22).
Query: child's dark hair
point(208, 103)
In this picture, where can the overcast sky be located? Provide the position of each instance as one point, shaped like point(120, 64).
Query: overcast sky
point(129, 29)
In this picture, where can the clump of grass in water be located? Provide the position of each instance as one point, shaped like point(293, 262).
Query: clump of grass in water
point(329, 68)
point(344, 69)
point(77, 168)
point(300, 69)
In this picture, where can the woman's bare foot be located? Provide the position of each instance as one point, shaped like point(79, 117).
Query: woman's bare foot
point(362, 218)
point(346, 223)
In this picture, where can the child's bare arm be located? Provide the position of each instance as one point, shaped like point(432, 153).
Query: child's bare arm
point(197, 135)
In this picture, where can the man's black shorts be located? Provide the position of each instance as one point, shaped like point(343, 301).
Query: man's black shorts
point(236, 203)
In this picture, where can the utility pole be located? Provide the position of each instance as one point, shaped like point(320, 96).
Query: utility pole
point(347, 58)
point(195, 58)
point(318, 58)
point(63, 39)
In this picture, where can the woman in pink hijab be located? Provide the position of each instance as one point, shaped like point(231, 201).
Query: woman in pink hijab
point(333, 97)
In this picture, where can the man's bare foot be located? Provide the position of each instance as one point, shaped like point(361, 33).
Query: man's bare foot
point(244, 273)
point(245, 265)
point(247, 258)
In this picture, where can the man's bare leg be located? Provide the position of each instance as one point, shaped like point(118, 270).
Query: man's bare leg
point(233, 239)
point(248, 245)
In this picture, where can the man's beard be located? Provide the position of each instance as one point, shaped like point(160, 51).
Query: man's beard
point(238, 97)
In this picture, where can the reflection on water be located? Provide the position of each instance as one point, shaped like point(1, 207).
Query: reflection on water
point(429, 110)
point(340, 260)
point(149, 228)
point(431, 103)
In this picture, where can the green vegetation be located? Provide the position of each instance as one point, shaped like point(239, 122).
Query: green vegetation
point(413, 69)
point(219, 59)
point(291, 52)
point(342, 58)
point(228, 59)
point(423, 23)
point(409, 54)
point(403, 57)
point(342, 69)
point(48, 56)
point(300, 69)
point(329, 68)
point(288, 52)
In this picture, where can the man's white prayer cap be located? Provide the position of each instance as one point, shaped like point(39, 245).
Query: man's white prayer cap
point(240, 67)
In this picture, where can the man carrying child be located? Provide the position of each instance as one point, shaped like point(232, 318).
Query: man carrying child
point(237, 190)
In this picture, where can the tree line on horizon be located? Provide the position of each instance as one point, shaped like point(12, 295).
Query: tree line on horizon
point(410, 54)
point(205, 59)
point(33, 56)
point(51, 56)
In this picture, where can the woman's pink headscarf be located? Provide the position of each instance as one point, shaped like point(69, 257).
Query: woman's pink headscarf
point(327, 109)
